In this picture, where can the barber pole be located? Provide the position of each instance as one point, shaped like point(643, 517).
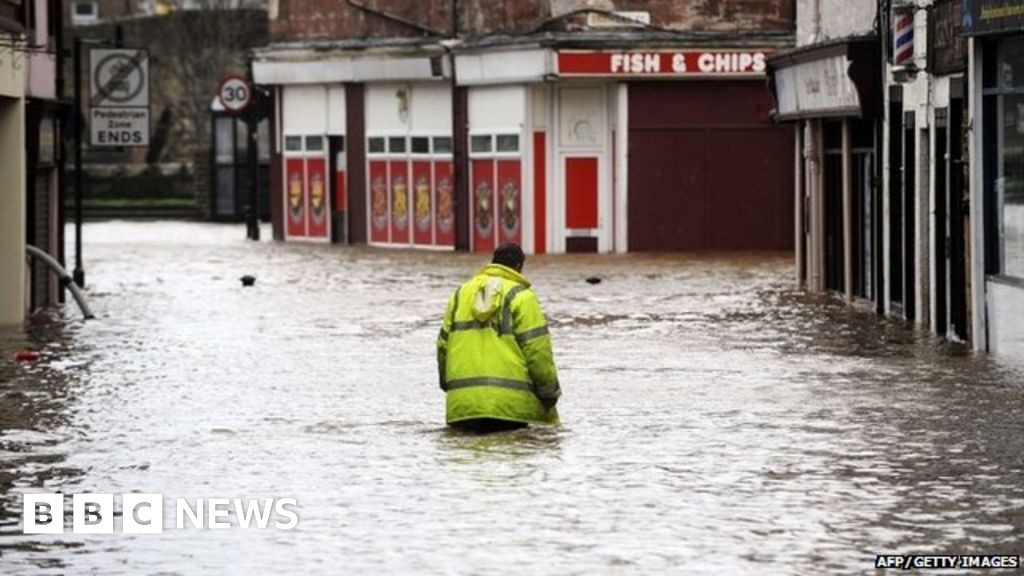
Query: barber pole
point(903, 32)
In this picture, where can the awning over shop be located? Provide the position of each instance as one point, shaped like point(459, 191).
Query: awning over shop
point(349, 61)
point(826, 80)
point(503, 66)
point(349, 70)
point(981, 17)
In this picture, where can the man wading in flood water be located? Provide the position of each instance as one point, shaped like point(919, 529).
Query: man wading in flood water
point(494, 351)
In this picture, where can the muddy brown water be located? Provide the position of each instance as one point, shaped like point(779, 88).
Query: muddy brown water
point(716, 420)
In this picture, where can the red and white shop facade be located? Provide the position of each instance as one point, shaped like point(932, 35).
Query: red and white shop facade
point(564, 150)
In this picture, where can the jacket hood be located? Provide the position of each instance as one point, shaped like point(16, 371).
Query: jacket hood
point(487, 289)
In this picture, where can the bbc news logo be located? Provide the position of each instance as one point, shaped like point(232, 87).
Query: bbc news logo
point(144, 513)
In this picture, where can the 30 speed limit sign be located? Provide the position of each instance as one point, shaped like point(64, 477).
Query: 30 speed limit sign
point(234, 93)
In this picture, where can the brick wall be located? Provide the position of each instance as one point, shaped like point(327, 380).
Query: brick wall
point(322, 19)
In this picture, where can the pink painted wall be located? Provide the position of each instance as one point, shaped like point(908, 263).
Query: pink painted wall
point(41, 72)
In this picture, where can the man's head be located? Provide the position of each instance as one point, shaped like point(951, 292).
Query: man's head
point(511, 255)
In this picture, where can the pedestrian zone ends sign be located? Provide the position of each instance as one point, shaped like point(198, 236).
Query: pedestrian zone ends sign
point(119, 97)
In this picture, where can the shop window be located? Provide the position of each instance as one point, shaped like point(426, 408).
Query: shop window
point(396, 145)
point(1003, 163)
point(442, 145)
point(1009, 183)
point(420, 145)
point(480, 144)
point(293, 143)
point(375, 145)
point(507, 143)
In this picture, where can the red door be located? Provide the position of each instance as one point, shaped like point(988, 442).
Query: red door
point(483, 205)
point(399, 172)
point(510, 227)
point(444, 195)
point(422, 194)
point(581, 192)
point(295, 200)
point(317, 208)
point(378, 183)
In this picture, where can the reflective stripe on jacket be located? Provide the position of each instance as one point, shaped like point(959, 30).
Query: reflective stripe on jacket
point(494, 351)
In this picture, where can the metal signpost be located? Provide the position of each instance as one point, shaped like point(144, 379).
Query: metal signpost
point(236, 96)
point(118, 110)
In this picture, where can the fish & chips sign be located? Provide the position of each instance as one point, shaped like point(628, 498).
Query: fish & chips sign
point(698, 63)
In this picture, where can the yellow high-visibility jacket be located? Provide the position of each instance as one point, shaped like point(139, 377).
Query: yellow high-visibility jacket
point(494, 351)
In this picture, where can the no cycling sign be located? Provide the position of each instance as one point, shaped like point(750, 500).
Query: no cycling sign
point(119, 97)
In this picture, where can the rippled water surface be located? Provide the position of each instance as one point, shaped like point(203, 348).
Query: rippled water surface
point(716, 420)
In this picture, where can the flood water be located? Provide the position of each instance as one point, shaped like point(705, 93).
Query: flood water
point(717, 421)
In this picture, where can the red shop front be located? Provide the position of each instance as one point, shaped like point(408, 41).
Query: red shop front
point(307, 189)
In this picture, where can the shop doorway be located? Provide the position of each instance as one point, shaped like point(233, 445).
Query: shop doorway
point(582, 214)
point(231, 174)
point(950, 287)
point(835, 260)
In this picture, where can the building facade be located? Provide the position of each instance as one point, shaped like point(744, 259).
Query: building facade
point(31, 121)
point(878, 94)
point(908, 119)
point(828, 89)
point(928, 226)
point(995, 91)
point(45, 120)
point(637, 126)
point(12, 165)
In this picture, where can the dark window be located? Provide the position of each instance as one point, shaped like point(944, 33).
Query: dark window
point(480, 144)
point(314, 143)
point(1009, 165)
point(420, 145)
point(396, 144)
point(508, 143)
point(85, 8)
point(896, 203)
point(375, 145)
point(442, 145)
point(909, 214)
